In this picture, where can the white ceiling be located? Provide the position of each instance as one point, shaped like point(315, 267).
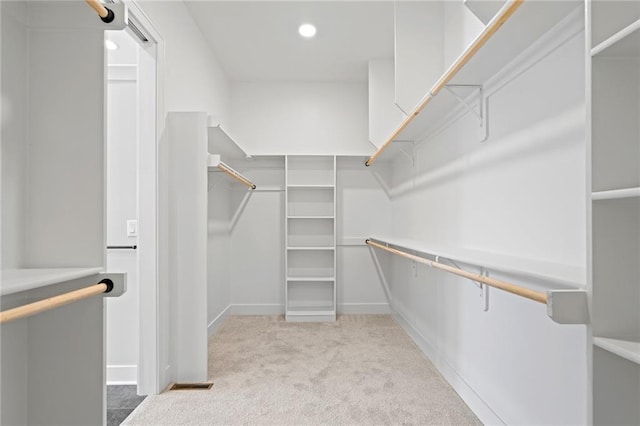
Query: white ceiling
point(259, 41)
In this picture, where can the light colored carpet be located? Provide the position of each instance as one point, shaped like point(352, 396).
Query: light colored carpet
point(361, 370)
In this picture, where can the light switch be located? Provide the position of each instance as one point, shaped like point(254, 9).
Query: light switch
point(132, 228)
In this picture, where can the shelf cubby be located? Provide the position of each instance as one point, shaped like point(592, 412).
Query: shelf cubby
point(310, 202)
point(608, 18)
point(616, 269)
point(310, 264)
point(615, 116)
point(310, 171)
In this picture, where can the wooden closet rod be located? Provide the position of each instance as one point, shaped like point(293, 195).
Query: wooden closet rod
point(105, 14)
point(505, 13)
point(228, 170)
point(492, 282)
point(104, 286)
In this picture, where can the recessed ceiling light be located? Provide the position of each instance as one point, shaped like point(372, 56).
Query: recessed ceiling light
point(110, 45)
point(307, 30)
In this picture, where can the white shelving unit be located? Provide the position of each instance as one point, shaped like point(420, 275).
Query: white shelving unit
point(613, 42)
point(310, 235)
point(53, 211)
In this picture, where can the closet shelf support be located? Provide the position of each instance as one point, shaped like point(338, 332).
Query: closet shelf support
point(482, 112)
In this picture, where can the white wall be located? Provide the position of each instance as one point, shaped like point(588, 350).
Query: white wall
point(14, 133)
point(194, 79)
point(384, 114)
point(301, 118)
point(419, 45)
point(461, 27)
point(520, 195)
point(218, 251)
point(363, 209)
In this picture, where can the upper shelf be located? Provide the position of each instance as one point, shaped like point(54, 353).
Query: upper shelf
point(17, 280)
point(625, 43)
point(516, 26)
point(223, 144)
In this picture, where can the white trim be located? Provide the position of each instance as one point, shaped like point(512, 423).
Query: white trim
point(217, 322)
point(257, 309)
point(122, 72)
point(122, 374)
point(151, 374)
point(479, 407)
point(364, 308)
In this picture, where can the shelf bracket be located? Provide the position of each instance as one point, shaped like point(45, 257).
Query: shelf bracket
point(481, 112)
point(484, 289)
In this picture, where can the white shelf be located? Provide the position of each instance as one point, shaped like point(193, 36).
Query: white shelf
point(311, 279)
point(570, 276)
point(529, 22)
point(624, 43)
point(17, 280)
point(616, 194)
point(627, 349)
point(303, 248)
point(310, 217)
point(311, 186)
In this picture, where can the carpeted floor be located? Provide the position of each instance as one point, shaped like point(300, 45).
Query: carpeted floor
point(361, 370)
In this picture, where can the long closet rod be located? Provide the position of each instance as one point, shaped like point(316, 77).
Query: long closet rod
point(503, 15)
point(104, 13)
point(104, 286)
point(228, 170)
point(492, 282)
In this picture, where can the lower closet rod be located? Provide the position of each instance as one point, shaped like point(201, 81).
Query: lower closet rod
point(492, 282)
point(104, 286)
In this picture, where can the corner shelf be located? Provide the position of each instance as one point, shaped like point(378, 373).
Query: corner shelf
point(17, 280)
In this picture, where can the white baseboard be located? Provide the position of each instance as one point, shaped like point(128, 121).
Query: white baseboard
point(217, 322)
point(275, 309)
point(122, 374)
point(364, 308)
point(260, 309)
point(480, 408)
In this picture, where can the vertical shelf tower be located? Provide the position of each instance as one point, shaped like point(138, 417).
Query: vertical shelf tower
point(613, 46)
point(310, 235)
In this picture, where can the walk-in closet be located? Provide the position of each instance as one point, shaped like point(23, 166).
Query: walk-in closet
point(320, 212)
